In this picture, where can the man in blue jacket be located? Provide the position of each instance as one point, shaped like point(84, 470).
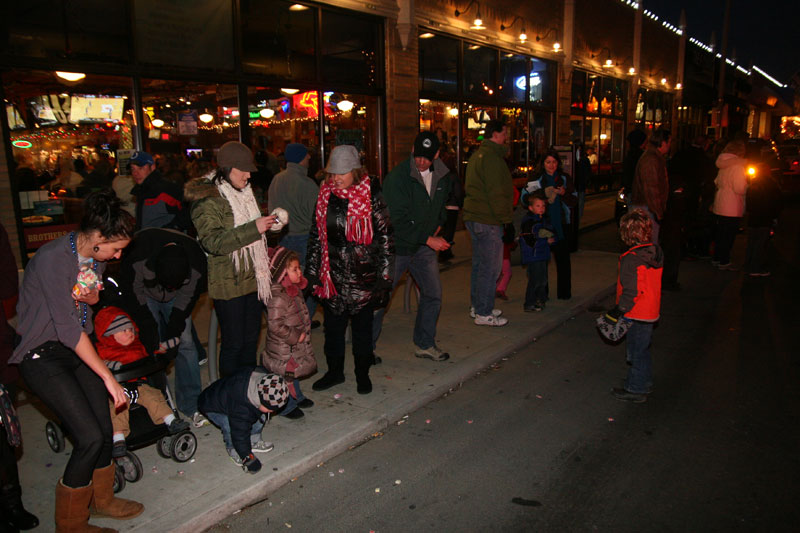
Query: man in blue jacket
point(416, 192)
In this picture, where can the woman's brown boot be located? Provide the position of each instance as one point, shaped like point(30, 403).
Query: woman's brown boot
point(72, 510)
point(104, 503)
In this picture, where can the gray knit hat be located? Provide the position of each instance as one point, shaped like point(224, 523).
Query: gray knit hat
point(120, 323)
point(344, 158)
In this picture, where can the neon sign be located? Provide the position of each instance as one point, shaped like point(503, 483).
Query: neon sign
point(535, 80)
point(22, 144)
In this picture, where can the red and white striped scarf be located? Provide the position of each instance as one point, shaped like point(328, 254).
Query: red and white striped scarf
point(358, 227)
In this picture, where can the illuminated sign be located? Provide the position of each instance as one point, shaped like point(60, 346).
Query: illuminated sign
point(534, 81)
point(22, 144)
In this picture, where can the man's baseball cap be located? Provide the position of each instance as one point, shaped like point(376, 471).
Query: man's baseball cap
point(142, 158)
point(426, 145)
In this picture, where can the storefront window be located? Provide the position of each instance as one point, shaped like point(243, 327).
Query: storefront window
point(513, 84)
point(541, 82)
point(473, 120)
point(653, 108)
point(438, 64)
point(186, 122)
point(594, 96)
point(277, 119)
point(196, 34)
point(617, 142)
point(78, 29)
point(621, 89)
point(278, 39)
point(441, 118)
point(516, 119)
point(541, 135)
point(65, 142)
point(350, 49)
point(480, 63)
point(354, 119)
point(578, 91)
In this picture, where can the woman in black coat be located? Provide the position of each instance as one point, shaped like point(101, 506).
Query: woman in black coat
point(350, 251)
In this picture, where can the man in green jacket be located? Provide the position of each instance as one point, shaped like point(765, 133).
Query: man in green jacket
point(488, 206)
point(416, 191)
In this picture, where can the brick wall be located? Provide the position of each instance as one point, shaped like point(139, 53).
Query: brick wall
point(402, 94)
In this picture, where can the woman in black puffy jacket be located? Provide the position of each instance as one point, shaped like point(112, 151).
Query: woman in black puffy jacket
point(349, 263)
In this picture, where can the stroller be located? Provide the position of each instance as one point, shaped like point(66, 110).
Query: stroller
point(180, 447)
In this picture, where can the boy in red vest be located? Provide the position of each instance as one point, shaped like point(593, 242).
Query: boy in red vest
point(638, 300)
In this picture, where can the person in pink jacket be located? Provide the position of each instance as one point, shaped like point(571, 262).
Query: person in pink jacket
point(728, 206)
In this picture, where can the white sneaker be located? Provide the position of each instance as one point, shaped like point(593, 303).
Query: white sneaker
point(198, 420)
point(495, 312)
point(490, 320)
point(262, 446)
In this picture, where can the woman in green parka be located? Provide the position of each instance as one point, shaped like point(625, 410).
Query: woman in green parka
point(231, 230)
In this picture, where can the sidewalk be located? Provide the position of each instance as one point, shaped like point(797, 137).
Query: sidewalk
point(192, 496)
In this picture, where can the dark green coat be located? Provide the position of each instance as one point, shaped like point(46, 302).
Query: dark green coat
point(488, 187)
point(414, 213)
point(213, 218)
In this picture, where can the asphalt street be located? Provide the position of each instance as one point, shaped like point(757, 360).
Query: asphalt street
point(537, 443)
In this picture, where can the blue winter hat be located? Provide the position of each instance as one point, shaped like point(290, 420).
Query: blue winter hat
point(295, 152)
point(142, 158)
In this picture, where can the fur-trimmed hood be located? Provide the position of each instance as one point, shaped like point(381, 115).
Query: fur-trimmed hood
point(200, 188)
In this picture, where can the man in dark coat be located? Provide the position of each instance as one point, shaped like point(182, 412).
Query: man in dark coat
point(159, 202)
point(416, 192)
point(163, 274)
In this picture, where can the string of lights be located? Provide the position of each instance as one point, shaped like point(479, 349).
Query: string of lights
point(702, 45)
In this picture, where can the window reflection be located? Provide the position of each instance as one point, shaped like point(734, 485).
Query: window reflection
point(351, 119)
point(349, 47)
point(277, 119)
point(277, 40)
point(480, 63)
point(438, 64)
point(441, 118)
point(186, 122)
point(513, 84)
point(65, 143)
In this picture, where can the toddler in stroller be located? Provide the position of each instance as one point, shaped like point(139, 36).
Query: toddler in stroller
point(118, 344)
point(142, 378)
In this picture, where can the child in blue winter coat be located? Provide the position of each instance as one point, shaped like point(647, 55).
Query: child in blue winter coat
point(239, 406)
point(536, 236)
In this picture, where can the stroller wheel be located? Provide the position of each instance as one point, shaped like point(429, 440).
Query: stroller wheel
point(164, 447)
point(55, 437)
point(131, 467)
point(119, 479)
point(183, 446)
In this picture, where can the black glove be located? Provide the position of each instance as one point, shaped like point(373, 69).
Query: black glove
point(381, 294)
point(169, 344)
point(251, 465)
point(613, 315)
point(175, 325)
point(508, 233)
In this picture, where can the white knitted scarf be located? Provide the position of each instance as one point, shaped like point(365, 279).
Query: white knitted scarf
point(254, 255)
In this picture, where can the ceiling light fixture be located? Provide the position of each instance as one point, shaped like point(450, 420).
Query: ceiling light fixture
point(70, 76)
